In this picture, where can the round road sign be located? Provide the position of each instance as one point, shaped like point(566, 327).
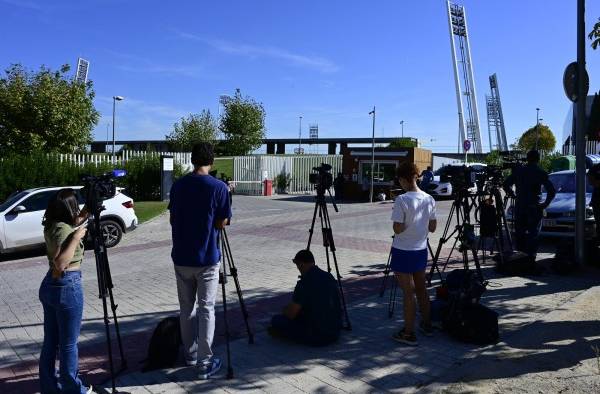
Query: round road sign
point(570, 82)
point(467, 145)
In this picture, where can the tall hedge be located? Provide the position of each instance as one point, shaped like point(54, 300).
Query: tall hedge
point(20, 172)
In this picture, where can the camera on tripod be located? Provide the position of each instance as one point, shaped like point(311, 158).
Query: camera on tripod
point(99, 188)
point(322, 177)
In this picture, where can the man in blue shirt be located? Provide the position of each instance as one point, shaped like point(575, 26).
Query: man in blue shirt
point(314, 317)
point(200, 207)
point(426, 178)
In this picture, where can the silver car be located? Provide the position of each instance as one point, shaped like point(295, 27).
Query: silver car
point(559, 217)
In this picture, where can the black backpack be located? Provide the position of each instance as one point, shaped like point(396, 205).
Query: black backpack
point(472, 323)
point(164, 345)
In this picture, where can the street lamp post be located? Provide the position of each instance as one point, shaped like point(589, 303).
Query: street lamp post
point(115, 99)
point(402, 124)
point(537, 128)
point(372, 156)
point(300, 136)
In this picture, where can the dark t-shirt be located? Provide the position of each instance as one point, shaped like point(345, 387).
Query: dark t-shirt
point(196, 203)
point(528, 181)
point(318, 295)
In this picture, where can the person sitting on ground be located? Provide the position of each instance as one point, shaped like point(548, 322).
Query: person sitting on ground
point(314, 317)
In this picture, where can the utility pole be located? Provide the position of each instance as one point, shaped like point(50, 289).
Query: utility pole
point(537, 128)
point(300, 136)
point(580, 137)
point(372, 156)
point(115, 99)
point(402, 124)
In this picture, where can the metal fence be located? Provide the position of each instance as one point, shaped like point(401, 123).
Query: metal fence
point(250, 171)
point(183, 158)
point(591, 148)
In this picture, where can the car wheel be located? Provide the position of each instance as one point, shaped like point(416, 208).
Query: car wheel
point(111, 232)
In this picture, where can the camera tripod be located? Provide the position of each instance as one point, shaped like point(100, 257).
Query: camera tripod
point(394, 289)
point(495, 227)
point(465, 234)
point(228, 263)
point(105, 283)
point(328, 243)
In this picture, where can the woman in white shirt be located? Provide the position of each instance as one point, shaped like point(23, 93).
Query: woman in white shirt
point(414, 218)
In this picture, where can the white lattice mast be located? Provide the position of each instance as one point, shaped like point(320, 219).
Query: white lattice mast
point(466, 96)
point(495, 116)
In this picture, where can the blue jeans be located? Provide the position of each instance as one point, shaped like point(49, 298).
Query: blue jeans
point(62, 300)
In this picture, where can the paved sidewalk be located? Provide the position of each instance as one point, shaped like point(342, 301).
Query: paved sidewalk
point(536, 340)
point(264, 237)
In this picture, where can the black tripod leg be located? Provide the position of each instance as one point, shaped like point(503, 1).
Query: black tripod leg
point(312, 226)
point(110, 353)
point(386, 273)
point(113, 307)
point(392, 301)
point(330, 245)
point(222, 280)
point(238, 288)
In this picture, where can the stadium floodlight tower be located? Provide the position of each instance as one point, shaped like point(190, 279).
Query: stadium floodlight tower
point(466, 97)
point(495, 117)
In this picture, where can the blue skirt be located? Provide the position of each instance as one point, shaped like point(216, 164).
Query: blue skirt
point(408, 261)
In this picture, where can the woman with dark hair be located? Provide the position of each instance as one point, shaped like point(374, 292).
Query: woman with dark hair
point(414, 218)
point(61, 294)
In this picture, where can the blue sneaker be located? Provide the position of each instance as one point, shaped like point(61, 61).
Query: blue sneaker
point(211, 368)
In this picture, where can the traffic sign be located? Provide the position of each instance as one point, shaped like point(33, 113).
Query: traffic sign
point(570, 82)
point(467, 145)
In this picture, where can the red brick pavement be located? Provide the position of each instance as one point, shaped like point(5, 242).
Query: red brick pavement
point(22, 378)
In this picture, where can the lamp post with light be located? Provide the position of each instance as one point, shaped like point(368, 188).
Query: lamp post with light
point(115, 99)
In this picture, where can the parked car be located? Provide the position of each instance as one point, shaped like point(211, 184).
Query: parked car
point(445, 179)
point(559, 217)
point(22, 213)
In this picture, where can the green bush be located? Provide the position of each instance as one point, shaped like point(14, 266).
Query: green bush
point(19, 172)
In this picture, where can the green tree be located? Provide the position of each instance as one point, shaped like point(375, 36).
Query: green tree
point(494, 158)
point(403, 143)
point(195, 128)
point(242, 124)
point(44, 110)
point(595, 35)
point(547, 141)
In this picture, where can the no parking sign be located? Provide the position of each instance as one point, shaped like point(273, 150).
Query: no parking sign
point(467, 145)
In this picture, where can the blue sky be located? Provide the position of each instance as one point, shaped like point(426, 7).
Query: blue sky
point(329, 61)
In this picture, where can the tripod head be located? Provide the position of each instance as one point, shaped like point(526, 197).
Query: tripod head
point(99, 188)
point(323, 180)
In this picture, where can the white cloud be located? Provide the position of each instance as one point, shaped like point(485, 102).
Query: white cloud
point(138, 64)
point(253, 51)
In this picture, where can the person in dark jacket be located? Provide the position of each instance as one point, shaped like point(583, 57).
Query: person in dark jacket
point(594, 180)
point(338, 186)
point(528, 210)
point(314, 317)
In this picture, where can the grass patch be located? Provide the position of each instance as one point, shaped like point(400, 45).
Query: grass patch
point(223, 165)
point(146, 210)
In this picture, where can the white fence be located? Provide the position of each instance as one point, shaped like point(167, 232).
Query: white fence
point(183, 158)
point(250, 171)
point(591, 148)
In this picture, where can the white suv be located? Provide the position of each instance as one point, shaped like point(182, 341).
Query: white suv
point(22, 213)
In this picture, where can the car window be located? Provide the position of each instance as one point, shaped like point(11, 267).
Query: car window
point(13, 198)
point(565, 183)
point(38, 201)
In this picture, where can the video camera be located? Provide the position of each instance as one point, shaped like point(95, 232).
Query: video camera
point(99, 188)
point(461, 177)
point(492, 175)
point(322, 177)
